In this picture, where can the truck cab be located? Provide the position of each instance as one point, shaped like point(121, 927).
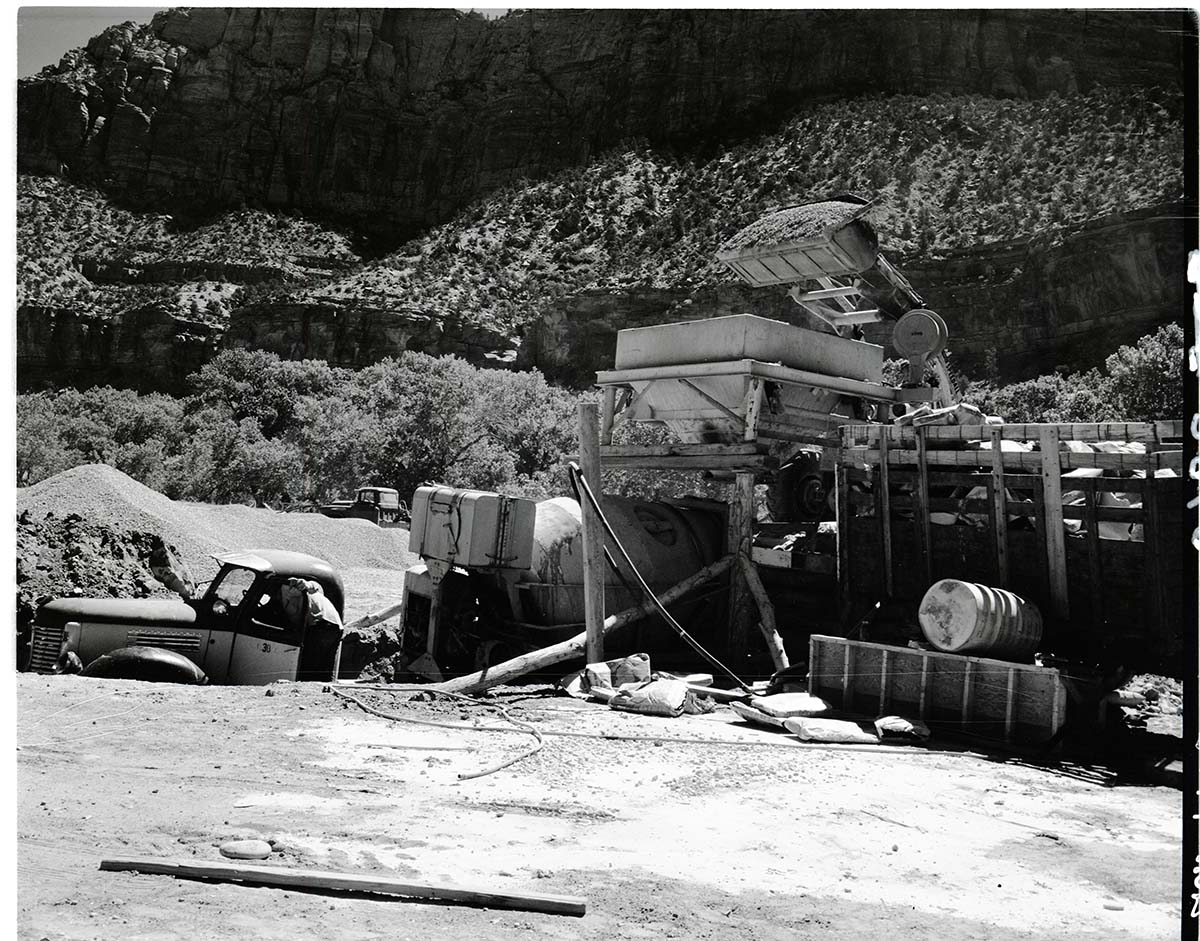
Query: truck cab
point(237, 632)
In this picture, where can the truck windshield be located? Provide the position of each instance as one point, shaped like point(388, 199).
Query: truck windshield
point(231, 587)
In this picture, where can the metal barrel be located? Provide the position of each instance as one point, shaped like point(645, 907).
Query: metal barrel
point(969, 618)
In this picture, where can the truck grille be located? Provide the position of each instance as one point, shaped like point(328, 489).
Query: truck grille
point(46, 643)
point(181, 641)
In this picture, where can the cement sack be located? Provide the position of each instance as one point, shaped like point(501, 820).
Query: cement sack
point(755, 716)
point(668, 698)
point(836, 731)
point(787, 705)
point(611, 674)
point(899, 727)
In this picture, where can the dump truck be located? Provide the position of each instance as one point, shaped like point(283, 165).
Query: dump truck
point(236, 632)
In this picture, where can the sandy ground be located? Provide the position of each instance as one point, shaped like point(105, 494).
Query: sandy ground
point(685, 840)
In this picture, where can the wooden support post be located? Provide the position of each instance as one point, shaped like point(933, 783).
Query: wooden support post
point(847, 677)
point(999, 507)
point(766, 613)
point(1095, 572)
point(924, 535)
point(842, 501)
point(741, 520)
point(1151, 545)
point(593, 535)
point(754, 401)
point(968, 691)
point(923, 705)
point(608, 407)
point(883, 684)
point(1056, 546)
point(885, 509)
point(1010, 705)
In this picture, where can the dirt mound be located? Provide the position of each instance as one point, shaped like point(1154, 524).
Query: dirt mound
point(90, 530)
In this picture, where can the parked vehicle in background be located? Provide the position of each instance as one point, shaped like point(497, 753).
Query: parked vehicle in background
point(380, 505)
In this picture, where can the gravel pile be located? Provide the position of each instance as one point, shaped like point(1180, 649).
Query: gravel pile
point(89, 530)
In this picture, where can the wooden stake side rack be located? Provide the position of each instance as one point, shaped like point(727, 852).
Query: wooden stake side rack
point(1093, 592)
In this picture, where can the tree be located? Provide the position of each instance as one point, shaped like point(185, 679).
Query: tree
point(1147, 378)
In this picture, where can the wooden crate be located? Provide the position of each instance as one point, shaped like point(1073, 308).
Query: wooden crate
point(1094, 593)
point(984, 699)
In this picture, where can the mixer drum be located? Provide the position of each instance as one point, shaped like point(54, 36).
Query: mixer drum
point(666, 543)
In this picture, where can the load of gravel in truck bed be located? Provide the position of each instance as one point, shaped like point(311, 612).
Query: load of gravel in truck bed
point(90, 531)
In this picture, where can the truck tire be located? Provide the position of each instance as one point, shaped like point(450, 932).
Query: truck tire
point(800, 492)
point(149, 664)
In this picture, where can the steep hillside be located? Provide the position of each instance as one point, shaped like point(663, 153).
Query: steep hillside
point(396, 118)
point(972, 190)
point(948, 174)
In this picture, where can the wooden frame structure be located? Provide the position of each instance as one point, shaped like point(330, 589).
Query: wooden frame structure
point(734, 408)
point(1092, 591)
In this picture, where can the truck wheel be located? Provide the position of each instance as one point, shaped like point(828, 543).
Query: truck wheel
point(799, 493)
point(149, 664)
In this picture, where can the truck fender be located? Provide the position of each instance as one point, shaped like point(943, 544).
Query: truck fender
point(150, 664)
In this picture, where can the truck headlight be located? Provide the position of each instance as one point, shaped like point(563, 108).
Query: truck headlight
point(70, 638)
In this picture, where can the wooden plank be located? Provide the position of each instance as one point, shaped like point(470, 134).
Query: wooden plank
point(923, 707)
point(968, 690)
point(847, 677)
point(766, 613)
point(1153, 555)
point(1015, 460)
point(1056, 548)
point(1039, 528)
point(608, 404)
point(714, 402)
point(1010, 705)
point(980, 697)
point(727, 462)
point(1149, 433)
point(885, 512)
point(629, 411)
point(752, 409)
point(279, 877)
point(842, 503)
point(999, 513)
point(740, 539)
point(773, 371)
point(679, 449)
point(1095, 582)
point(922, 508)
point(593, 534)
point(884, 677)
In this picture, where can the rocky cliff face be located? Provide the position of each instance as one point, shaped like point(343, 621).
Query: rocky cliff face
point(396, 118)
point(1067, 300)
point(1028, 306)
point(152, 347)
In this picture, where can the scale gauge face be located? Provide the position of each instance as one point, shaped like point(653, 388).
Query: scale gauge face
point(920, 334)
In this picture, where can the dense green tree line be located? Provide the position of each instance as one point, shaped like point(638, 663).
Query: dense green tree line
point(274, 430)
point(258, 427)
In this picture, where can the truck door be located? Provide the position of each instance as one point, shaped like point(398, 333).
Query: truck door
point(266, 646)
